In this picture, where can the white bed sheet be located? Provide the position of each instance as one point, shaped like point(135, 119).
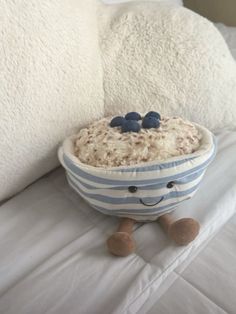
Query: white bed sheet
point(207, 285)
point(53, 257)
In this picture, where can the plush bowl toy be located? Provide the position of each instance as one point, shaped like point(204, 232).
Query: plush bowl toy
point(142, 184)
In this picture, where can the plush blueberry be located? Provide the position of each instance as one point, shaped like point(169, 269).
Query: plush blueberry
point(130, 126)
point(133, 116)
point(150, 122)
point(117, 121)
point(153, 114)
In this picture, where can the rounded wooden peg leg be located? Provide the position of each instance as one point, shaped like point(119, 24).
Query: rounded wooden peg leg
point(182, 231)
point(121, 243)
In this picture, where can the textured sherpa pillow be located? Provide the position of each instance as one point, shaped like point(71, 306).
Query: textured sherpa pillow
point(167, 58)
point(51, 83)
point(178, 2)
point(107, 189)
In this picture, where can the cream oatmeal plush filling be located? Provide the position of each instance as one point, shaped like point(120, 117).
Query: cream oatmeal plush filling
point(100, 145)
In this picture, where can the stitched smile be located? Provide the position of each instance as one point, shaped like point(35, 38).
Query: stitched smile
point(141, 201)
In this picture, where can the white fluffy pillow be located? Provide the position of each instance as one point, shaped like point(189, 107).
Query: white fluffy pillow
point(179, 2)
point(169, 59)
point(51, 83)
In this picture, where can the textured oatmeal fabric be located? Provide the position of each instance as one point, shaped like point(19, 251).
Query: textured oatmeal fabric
point(100, 145)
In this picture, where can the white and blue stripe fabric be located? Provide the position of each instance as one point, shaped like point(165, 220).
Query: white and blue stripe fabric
point(107, 189)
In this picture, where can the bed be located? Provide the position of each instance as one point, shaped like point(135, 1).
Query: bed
point(54, 258)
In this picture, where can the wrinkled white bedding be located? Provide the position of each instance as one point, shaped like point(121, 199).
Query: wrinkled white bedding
point(207, 285)
point(53, 254)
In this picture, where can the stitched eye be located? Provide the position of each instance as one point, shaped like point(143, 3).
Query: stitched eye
point(132, 189)
point(170, 185)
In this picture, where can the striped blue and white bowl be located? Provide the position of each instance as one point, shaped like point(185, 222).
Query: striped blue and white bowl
point(107, 189)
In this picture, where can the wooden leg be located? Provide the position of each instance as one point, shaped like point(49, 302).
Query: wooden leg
point(182, 231)
point(121, 243)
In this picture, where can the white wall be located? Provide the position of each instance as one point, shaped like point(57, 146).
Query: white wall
point(216, 10)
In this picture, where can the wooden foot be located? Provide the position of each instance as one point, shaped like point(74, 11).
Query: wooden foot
point(121, 243)
point(182, 231)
